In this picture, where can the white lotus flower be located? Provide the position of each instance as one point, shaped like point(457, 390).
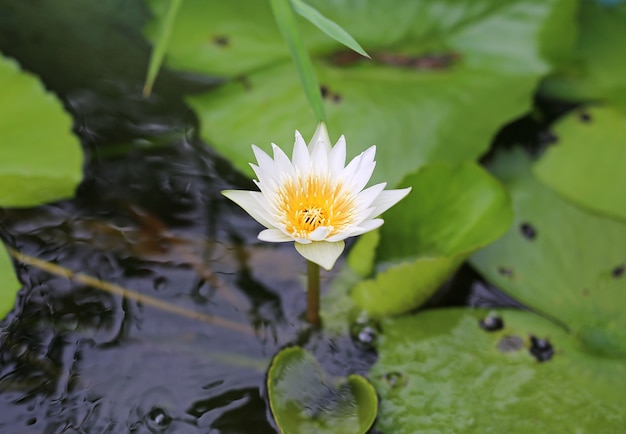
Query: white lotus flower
point(314, 199)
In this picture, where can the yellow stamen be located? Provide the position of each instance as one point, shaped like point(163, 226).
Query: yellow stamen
point(307, 204)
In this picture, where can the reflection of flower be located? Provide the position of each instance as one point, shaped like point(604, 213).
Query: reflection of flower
point(313, 199)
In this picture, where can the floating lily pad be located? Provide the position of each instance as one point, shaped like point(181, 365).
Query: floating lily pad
point(560, 259)
point(304, 401)
point(595, 72)
point(452, 211)
point(461, 370)
point(587, 162)
point(40, 158)
point(437, 89)
point(10, 284)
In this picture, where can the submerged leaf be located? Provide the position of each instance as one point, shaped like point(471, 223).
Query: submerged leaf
point(303, 401)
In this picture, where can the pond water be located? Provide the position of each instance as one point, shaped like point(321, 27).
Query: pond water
point(206, 305)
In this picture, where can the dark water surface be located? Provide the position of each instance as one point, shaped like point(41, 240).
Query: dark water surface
point(149, 218)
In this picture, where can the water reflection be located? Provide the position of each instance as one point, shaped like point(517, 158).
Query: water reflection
point(152, 221)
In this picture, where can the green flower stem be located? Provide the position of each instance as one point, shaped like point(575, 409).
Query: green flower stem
point(288, 26)
point(313, 293)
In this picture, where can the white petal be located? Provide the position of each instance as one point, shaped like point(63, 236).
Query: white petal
point(282, 163)
point(274, 236)
point(365, 170)
point(265, 161)
point(265, 179)
point(300, 157)
point(322, 252)
point(366, 226)
point(251, 202)
point(337, 158)
point(319, 234)
point(370, 194)
point(320, 139)
point(359, 171)
point(387, 199)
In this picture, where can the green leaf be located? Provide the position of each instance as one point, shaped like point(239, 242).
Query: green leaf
point(595, 72)
point(286, 20)
point(10, 284)
point(158, 52)
point(452, 211)
point(586, 164)
point(438, 89)
point(40, 158)
point(327, 26)
point(303, 401)
point(560, 260)
point(440, 371)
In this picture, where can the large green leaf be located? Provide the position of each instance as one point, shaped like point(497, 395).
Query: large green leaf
point(451, 211)
point(304, 401)
point(40, 158)
point(445, 75)
point(442, 371)
point(561, 260)
point(597, 71)
point(587, 163)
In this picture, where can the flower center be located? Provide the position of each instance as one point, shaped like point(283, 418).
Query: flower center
point(305, 205)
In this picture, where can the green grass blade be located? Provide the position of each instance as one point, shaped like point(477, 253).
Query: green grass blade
point(288, 26)
point(327, 26)
point(158, 51)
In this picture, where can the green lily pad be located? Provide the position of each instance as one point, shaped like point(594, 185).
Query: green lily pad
point(587, 163)
point(442, 371)
point(303, 401)
point(10, 284)
point(560, 259)
point(595, 72)
point(435, 65)
point(452, 211)
point(40, 158)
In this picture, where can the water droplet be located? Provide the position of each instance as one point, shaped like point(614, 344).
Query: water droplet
point(491, 323)
point(585, 117)
point(547, 137)
point(528, 231)
point(364, 333)
point(160, 283)
point(395, 379)
point(157, 419)
point(505, 271)
point(541, 349)
point(508, 344)
point(618, 271)
point(221, 40)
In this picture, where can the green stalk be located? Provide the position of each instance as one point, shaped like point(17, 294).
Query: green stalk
point(288, 26)
point(158, 51)
point(313, 293)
